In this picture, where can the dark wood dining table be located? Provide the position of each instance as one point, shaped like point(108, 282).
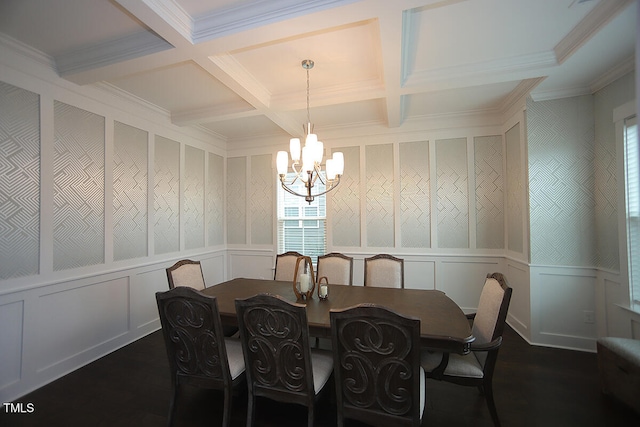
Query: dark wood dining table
point(443, 325)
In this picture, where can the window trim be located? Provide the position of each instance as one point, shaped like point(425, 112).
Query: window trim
point(620, 114)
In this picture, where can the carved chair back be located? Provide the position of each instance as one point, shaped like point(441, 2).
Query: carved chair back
point(377, 366)
point(275, 339)
point(195, 344)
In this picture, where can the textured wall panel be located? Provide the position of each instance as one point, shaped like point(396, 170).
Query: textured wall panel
point(489, 192)
point(193, 198)
point(130, 179)
point(606, 100)
point(215, 200)
point(345, 201)
point(561, 181)
point(515, 190)
point(19, 182)
point(78, 212)
point(236, 200)
point(166, 192)
point(452, 192)
point(11, 319)
point(260, 200)
point(379, 195)
point(415, 198)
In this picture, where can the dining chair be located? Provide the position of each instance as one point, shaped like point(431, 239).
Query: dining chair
point(336, 267)
point(377, 369)
point(198, 352)
point(280, 363)
point(476, 368)
point(189, 273)
point(186, 273)
point(384, 271)
point(286, 266)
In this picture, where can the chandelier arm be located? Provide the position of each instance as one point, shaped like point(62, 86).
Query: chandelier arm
point(331, 187)
point(332, 184)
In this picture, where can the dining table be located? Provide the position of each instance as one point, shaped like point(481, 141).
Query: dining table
point(443, 325)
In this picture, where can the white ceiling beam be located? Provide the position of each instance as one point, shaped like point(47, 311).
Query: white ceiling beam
point(391, 54)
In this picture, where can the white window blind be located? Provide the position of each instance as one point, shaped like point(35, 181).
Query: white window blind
point(632, 180)
point(301, 226)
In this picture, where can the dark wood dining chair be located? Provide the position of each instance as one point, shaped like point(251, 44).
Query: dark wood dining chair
point(186, 273)
point(286, 266)
point(336, 267)
point(280, 363)
point(476, 368)
point(384, 270)
point(377, 369)
point(198, 352)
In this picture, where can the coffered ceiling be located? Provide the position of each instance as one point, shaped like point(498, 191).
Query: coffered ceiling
point(233, 67)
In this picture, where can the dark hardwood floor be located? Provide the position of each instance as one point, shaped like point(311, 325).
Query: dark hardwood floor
point(533, 386)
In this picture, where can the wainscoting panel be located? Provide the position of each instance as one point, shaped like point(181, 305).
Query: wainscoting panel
point(252, 264)
point(519, 314)
point(419, 274)
point(81, 318)
point(462, 278)
point(144, 286)
point(213, 269)
point(564, 299)
point(11, 319)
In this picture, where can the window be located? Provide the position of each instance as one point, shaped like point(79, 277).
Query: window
point(301, 226)
point(632, 180)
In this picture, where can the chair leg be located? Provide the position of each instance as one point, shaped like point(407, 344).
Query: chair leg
point(172, 403)
point(251, 408)
point(228, 402)
point(310, 416)
point(488, 392)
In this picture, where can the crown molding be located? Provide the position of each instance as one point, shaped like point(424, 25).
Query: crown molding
point(130, 98)
point(222, 22)
point(521, 92)
point(595, 20)
point(549, 95)
point(625, 67)
point(110, 52)
point(29, 52)
point(213, 114)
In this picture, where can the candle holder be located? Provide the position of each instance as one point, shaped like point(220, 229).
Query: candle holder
point(305, 287)
point(323, 290)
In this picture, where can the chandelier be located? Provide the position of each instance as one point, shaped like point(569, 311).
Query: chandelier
point(307, 168)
